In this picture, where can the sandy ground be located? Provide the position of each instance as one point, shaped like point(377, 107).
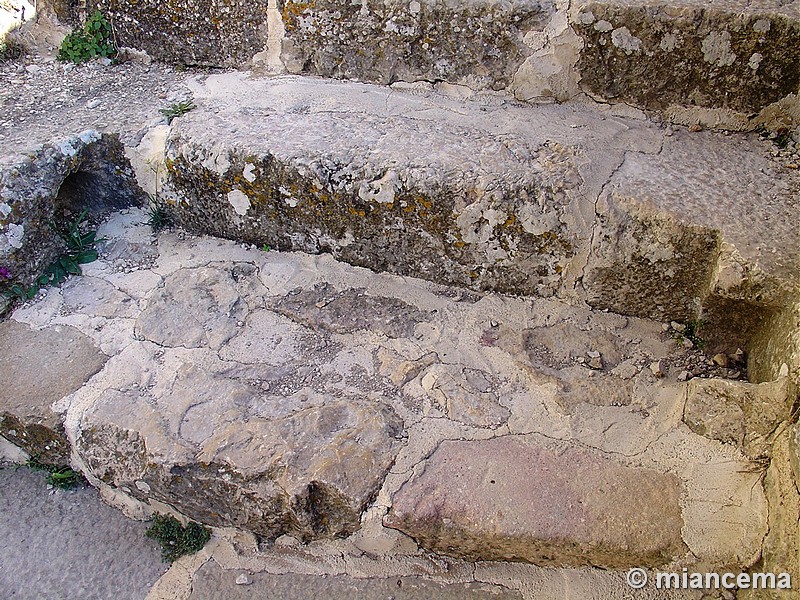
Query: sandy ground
point(64, 545)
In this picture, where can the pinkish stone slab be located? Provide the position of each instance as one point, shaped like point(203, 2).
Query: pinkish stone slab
point(511, 498)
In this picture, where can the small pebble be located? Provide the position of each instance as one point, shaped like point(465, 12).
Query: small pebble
point(243, 579)
point(683, 375)
point(657, 368)
point(721, 359)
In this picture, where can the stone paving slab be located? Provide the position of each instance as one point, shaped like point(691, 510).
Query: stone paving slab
point(40, 367)
point(512, 498)
point(210, 582)
point(730, 63)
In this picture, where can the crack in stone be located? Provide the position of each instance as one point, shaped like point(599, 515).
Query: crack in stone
point(595, 222)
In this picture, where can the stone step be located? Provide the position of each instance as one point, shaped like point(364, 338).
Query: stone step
point(286, 394)
point(726, 63)
point(489, 195)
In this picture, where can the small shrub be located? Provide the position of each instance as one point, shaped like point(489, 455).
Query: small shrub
point(175, 539)
point(95, 40)
point(177, 110)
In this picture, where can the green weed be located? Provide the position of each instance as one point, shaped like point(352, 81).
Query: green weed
point(80, 250)
point(11, 49)
point(175, 539)
point(95, 40)
point(691, 332)
point(61, 477)
point(177, 110)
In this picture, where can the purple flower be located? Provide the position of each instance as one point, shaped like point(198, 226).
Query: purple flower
point(5, 273)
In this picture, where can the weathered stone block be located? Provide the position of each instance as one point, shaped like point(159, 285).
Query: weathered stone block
point(476, 212)
point(640, 252)
point(201, 32)
point(743, 414)
point(39, 368)
point(258, 439)
point(477, 43)
point(89, 170)
point(712, 55)
point(549, 504)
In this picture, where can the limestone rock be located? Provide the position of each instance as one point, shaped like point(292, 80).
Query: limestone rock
point(201, 435)
point(493, 206)
point(383, 41)
point(693, 53)
point(546, 503)
point(200, 307)
point(739, 413)
point(88, 170)
point(203, 35)
point(639, 253)
point(465, 395)
point(39, 368)
point(327, 309)
point(780, 549)
point(211, 581)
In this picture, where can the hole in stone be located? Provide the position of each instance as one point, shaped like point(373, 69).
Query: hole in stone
point(97, 191)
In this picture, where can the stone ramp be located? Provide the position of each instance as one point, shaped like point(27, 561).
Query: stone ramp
point(547, 201)
point(293, 396)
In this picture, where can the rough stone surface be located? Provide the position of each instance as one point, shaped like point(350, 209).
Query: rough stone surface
point(218, 446)
point(743, 414)
point(713, 55)
point(51, 183)
point(326, 309)
point(200, 307)
point(727, 64)
point(205, 34)
point(210, 581)
point(276, 394)
point(509, 499)
point(280, 428)
point(39, 368)
point(480, 44)
point(780, 554)
point(552, 208)
point(52, 100)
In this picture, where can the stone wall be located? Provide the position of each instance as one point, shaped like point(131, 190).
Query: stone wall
point(719, 65)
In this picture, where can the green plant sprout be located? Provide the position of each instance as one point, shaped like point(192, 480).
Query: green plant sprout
point(177, 110)
point(158, 216)
point(63, 478)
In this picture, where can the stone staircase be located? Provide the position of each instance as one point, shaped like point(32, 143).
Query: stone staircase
point(426, 329)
